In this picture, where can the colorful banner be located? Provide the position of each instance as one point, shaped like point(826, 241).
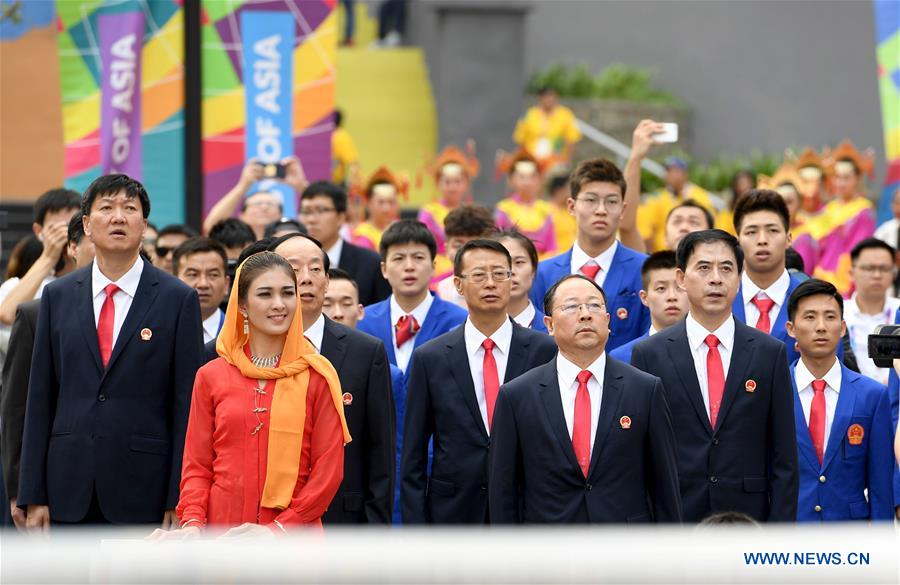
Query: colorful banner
point(314, 47)
point(161, 121)
point(887, 38)
point(268, 39)
point(121, 39)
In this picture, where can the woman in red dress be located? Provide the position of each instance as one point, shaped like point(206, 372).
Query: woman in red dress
point(264, 449)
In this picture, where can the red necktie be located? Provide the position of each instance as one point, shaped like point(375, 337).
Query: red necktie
point(817, 418)
point(590, 270)
point(491, 379)
point(105, 324)
point(715, 378)
point(764, 306)
point(406, 327)
point(581, 429)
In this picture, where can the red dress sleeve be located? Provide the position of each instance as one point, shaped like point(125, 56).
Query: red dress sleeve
point(324, 459)
point(197, 465)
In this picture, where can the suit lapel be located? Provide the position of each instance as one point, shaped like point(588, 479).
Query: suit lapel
point(618, 268)
point(741, 356)
point(381, 315)
point(433, 320)
point(333, 346)
point(842, 413)
point(680, 356)
point(85, 303)
point(609, 406)
point(517, 362)
point(347, 261)
point(778, 329)
point(147, 289)
point(737, 307)
point(457, 362)
point(804, 441)
point(549, 389)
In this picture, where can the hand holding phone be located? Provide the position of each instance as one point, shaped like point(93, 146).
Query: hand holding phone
point(669, 133)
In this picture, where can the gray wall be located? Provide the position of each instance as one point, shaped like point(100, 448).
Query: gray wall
point(756, 75)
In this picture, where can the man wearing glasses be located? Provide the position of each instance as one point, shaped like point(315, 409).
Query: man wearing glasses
point(872, 271)
point(454, 381)
point(582, 439)
point(598, 204)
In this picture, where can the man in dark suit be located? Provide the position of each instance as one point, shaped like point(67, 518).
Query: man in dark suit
point(119, 344)
point(17, 368)
point(323, 209)
point(729, 389)
point(453, 384)
point(584, 439)
point(366, 494)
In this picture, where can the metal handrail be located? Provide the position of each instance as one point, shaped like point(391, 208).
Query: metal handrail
point(619, 149)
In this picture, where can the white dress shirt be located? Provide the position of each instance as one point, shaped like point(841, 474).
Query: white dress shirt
point(502, 339)
point(859, 326)
point(567, 376)
point(448, 292)
point(128, 285)
point(777, 292)
point(604, 260)
point(696, 334)
point(527, 315)
point(212, 324)
point(403, 354)
point(315, 332)
point(334, 253)
point(804, 380)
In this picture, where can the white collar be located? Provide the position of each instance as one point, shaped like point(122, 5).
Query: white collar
point(211, 323)
point(569, 371)
point(502, 337)
point(891, 304)
point(803, 377)
point(420, 312)
point(697, 333)
point(526, 317)
point(127, 283)
point(777, 291)
point(315, 332)
point(604, 260)
point(652, 330)
point(334, 252)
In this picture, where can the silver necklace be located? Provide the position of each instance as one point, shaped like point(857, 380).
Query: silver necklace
point(265, 362)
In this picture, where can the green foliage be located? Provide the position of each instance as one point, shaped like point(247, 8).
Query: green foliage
point(716, 174)
point(616, 82)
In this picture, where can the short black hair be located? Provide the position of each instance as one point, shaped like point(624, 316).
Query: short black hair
point(693, 203)
point(337, 194)
point(176, 228)
point(662, 260)
point(470, 221)
point(55, 200)
point(692, 240)
point(557, 182)
point(407, 231)
point(338, 274)
point(525, 241)
point(480, 244)
point(76, 228)
point(326, 261)
point(232, 232)
point(870, 243)
point(809, 288)
point(198, 245)
point(109, 185)
point(793, 260)
point(254, 248)
point(550, 295)
point(761, 200)
point(284, 221)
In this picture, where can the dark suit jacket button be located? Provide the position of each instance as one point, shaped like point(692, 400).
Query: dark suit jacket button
point(483, 487)
point(102, 398)
point(588, 487)
point(713, 479)
point(715, 441)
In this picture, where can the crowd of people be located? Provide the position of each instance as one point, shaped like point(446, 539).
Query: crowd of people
point(526, 364)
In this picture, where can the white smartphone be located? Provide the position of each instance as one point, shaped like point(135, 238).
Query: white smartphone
point(669, 133)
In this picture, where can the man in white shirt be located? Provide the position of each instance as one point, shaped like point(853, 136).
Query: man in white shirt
point(582, 439)
point(872, 271)
point(202, 264)
point(453, 385)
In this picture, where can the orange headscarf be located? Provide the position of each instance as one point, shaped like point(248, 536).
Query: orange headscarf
point(288, 412)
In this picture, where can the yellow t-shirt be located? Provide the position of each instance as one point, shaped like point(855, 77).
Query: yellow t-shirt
point(652, 214)
point(343, 153)
point(544, 135)
point(564, 226)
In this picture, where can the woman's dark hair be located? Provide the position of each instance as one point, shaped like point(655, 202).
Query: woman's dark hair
point(258, 263)
point(23, 256)
point(745, 174)
point(109, 185)
point(525, 241)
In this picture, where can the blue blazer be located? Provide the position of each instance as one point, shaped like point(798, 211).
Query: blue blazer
point(117, 431)
point(398, 386)
point(837, 484)
point(623, 352)
point(778, 330)
point(622, 288)
point(894, 397)
point(537, 323)
point(441, 318)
